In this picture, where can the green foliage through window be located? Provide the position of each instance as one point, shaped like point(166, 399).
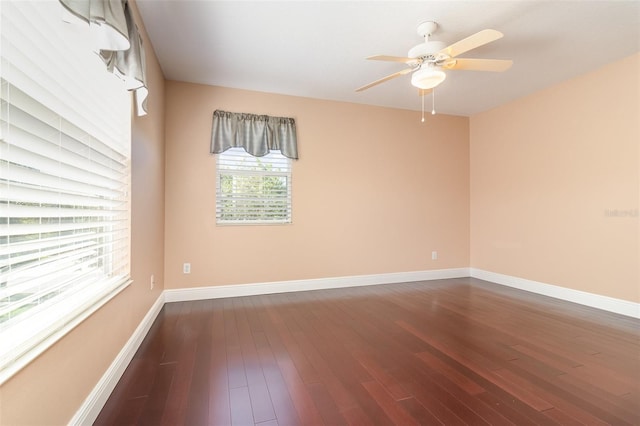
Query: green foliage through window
point(253, 189)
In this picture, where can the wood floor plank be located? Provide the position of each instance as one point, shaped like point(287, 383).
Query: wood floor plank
point(219, 407)
point(270, 348)
point(197, 410)
point(178, 394)
point(307, 411)
point(391, 385)
point(157, 400)
point(442, 352)
point(261, 404)
point(553, 393)
point(562, 418)
point(269, 423)
point(536, 367)
point(240, 403)
point(340, 395)
point(389, 405)
point(601, 377)
point(355, 416)
point(419, 412)
point(283, 406)
point(576, 410)
point(217, 374)
point(327, 407)
point(425, 395)
point(235, 362)
point(250, 359)
point(450, 373)
point(281, 335)
point(586, 398)
point(508, 409)
point(523, 390)
point(177, 335)
point(486, 412)
point(448, 395)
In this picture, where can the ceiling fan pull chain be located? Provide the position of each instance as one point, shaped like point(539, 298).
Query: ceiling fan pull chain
point(433, 102)
point(422, 108)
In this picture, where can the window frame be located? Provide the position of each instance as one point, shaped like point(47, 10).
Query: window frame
point(23, 337)
point(222, 171)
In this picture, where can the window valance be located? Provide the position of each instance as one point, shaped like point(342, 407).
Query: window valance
point(257, 134)
point(117, 41)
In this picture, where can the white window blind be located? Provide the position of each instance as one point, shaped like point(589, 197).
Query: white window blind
point(64, 180)
point(252, 190)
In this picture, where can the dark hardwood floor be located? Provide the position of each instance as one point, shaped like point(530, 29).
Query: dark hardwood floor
point(459, 351)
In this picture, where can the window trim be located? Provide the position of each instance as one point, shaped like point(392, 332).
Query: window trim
point(253, 222)
point(32, 348)
point(24, 338)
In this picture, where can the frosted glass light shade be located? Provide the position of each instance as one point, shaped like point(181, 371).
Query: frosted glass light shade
point(427, 78)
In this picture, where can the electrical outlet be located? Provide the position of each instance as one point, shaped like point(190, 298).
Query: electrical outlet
point(434, 255)
point(186, 268)
point(153, 282)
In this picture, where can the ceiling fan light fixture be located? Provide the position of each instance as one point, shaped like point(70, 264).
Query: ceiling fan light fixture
point(427, 78)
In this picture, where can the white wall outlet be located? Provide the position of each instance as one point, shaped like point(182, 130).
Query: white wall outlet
point(186, 268)
point(153, 282)
point(434, 255)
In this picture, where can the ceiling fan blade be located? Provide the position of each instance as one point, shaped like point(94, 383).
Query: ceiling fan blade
point(392, 58)
point(471, 42)
point(496, 65)
point(424, 92)
point(383, 79)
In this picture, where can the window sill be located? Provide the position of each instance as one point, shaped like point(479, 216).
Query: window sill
point(16, 359)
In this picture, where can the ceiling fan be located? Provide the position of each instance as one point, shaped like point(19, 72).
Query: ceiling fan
point(429, 60)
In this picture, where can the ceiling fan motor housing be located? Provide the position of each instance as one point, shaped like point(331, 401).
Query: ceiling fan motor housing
point(427, 50)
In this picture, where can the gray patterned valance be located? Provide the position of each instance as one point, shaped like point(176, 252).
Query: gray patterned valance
point(117, 40)
point(257, 134)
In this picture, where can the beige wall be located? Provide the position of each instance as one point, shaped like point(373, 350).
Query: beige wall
point(548, 173)
point(51, 389)
point(374, 191)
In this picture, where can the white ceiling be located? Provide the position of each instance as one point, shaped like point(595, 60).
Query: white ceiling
point(317, 48)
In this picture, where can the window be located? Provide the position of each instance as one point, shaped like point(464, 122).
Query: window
point(64, 180)
point(252, 190)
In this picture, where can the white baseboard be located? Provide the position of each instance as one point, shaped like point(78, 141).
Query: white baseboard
point(215, 292)
point(93, 404)
point(618, 306)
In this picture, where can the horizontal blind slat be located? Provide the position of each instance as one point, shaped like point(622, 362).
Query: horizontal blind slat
point(58, 257)
point(33, 160)
point(21, 174)
point(52, 149)
point(23, 194)
point(16, 249)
